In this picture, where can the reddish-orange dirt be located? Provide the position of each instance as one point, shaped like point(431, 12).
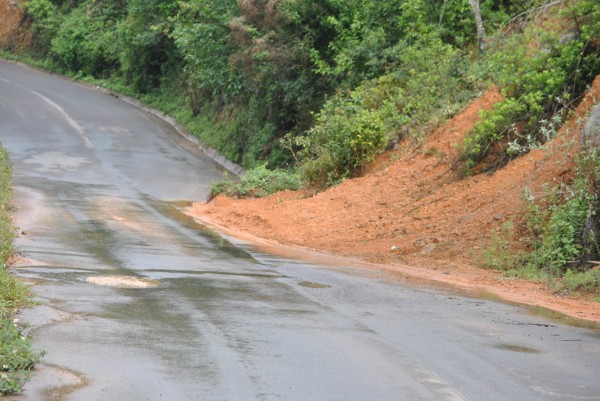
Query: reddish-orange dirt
point(414, 214)
point(14, 32)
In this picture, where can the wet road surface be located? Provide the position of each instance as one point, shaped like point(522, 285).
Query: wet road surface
point(192, 315)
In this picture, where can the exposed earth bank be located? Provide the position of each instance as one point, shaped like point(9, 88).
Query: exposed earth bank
point(414, 214)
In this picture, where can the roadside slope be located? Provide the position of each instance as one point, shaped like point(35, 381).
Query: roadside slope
point(415, 211)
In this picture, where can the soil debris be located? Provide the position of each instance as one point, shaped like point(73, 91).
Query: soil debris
point(412, 212)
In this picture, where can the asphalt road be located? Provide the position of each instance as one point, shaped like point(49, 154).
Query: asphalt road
point(99, 186)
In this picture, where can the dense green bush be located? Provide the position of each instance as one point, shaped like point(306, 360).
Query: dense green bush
point(82, 45)
point(426, 86)
point(243, 74)
point(345, 138)
point(556, 222)
point(541, 72)
point(46, 21)
point(201, 35)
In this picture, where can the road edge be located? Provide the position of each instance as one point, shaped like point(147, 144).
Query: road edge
point(211, 153)
point(412, 274)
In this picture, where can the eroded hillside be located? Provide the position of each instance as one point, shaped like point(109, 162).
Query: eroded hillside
point(414, 213)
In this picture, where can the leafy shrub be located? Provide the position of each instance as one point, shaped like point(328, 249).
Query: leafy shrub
point(46, 20)
point(18, 359)
point(82, 44)
point(539, 73)
point(556, 224)
point(561, 242)
point(425, 86)
point(147, 54)
point(344, 139)
point(257, 182)
point(200, 33)
point(493, 126)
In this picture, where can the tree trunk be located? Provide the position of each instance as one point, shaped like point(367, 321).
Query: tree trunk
point(591, 234)
point(479, 24)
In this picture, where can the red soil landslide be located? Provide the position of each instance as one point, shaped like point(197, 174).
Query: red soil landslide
point(413, 214)
point(14, 32)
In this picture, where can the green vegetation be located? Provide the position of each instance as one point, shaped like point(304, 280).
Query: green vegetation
point(499, 254)
point(17, 357)
point(258, 182)
point(556, 225)
point(542, 72)
point(426, 87)
point(308, 92)
point(244, 74)
point(325, 85)
point(562, 247)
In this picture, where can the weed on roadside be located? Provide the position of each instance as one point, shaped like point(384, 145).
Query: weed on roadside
point(499, 255)
point(257, 182)
point(17, 358)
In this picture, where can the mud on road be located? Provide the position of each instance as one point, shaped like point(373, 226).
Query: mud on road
point(413, 213)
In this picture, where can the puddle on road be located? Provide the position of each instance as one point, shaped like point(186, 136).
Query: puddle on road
point(517, 348)
point(61, 382)
point(310, 284)
point(173, 211)
point(122, 281)
point(564, 319)
point(52, 382)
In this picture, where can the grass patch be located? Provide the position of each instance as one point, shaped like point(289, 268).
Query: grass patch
point(574, 282)
point(257, 182)
point(499, 254)
point(17, 359)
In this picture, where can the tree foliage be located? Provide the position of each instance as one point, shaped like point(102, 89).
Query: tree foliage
point(542, 72)
point(250, 72)
point(322, 86)
point(261, 68)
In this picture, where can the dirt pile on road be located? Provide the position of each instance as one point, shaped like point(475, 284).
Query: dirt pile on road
point(412, 212)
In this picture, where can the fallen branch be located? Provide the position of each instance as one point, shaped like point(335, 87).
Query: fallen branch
point(574, 262)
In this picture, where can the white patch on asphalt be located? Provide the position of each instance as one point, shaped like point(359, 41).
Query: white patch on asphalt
point(56, 161)
point(559, 394)
point(438, 385)
point(122, 281)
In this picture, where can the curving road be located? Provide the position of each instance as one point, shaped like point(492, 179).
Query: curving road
point(99, 186)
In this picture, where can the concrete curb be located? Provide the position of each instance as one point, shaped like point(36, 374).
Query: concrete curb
point(211, 153)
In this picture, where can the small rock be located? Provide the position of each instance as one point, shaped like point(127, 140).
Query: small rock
point(394, 248)
point(466, 218)
point(419, 242)
point(399, 231)
point(427, 249)
point(590, 136)
point(498, 216)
